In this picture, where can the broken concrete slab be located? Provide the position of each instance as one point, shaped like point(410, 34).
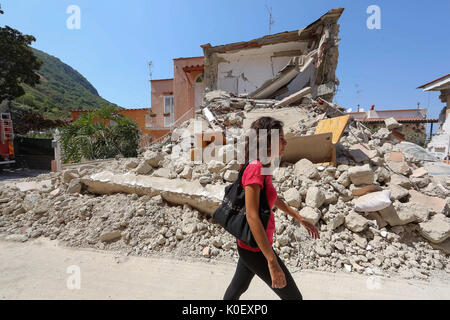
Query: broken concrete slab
point(336, 221)
point(362, 153)
point(419, 173)
point(290, 116)
point(153, 158)
point(163, 173)
point(293, 198)
point(312, 215)
point(70, 174)
point(283, 77)
point(361, 175)
point(305, 168)
point(397, 179)
point(395, 156)
point(358, 155)
point(398, 192)
point(399, 167)
point(421, 182)
point(293, 97)
point(26, 186)
point(231, 175)
point(404, 213)
point(31, 200)
point(314, 197)
point(437, 229)
point(434, 204)
point(414, 152)
point(391, 123)
point(74, 186)
point(377, 218)
point(205, 199)
point(110, 236)
point(143, 168)
point(356, 222)
point(444, 246)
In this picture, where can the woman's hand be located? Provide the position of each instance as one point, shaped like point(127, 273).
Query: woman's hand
point(312, 230)
point(277, 275)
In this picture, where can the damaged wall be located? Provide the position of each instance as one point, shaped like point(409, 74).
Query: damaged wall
point(246, 70)
point(276, 66)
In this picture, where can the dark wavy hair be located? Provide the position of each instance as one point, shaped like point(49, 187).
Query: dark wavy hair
point(267, 123)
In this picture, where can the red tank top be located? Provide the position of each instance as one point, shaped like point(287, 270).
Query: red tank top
point(252, 175)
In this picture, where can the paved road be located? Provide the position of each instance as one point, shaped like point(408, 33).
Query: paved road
point(19, 173)
point(39, 270)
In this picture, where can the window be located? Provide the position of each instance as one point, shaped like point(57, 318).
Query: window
point(168, 108)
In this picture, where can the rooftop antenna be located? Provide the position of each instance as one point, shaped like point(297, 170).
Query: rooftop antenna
point(357, 95)
point(150, 69)
point(271, 21)
point(418, 105)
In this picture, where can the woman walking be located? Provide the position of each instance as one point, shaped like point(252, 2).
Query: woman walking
point(263, 261)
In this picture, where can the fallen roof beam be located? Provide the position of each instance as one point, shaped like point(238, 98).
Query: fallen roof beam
point(294, 97)
point(295, 66)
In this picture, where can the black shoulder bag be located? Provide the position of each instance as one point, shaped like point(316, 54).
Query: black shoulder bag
point(231, 213)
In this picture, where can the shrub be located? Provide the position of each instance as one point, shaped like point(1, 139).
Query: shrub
point(99, 135)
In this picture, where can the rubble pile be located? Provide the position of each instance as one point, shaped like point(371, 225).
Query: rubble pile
point(379, 211)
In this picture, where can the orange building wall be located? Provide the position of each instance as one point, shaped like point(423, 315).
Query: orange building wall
point(138, 115)
point(183, 86)
point(159, 89)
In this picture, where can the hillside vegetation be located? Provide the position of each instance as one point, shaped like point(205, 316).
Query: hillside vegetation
point(62, 89)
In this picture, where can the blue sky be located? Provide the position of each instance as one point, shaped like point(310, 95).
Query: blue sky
point(118, 38)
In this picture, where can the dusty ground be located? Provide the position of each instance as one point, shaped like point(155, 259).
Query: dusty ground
point(39, 270)
point(11, 174)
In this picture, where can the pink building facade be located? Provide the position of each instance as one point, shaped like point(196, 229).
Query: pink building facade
point(175, 100)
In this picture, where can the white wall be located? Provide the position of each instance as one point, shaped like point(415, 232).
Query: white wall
point(247, 70)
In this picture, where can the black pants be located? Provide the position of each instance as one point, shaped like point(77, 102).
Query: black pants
point(251, 263)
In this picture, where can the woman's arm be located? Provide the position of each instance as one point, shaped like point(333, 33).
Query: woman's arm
point(283, 206)
point(252, 194)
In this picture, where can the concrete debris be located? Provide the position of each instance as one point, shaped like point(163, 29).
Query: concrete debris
point(161, 202)
point(391, 124)
point(437, 229)
point(293, 198)
point(355, 222)
point(404, 213)
point(314, 197)
point(110, 236)
point(361, 175)
point(310, 214)
point(306, 169)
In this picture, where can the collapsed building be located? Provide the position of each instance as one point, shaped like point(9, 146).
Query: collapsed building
point(439, 146)
point(379, 207)
point(271, 67)
point(278, 65)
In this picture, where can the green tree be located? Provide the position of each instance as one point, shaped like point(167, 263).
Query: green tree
point(99, 135)
point(17, 63)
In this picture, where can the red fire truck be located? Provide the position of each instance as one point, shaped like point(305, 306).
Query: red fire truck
point(6, 139)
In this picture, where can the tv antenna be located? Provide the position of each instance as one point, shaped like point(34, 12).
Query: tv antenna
point(150, 69)
point(271, 21)
point(357, 95)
